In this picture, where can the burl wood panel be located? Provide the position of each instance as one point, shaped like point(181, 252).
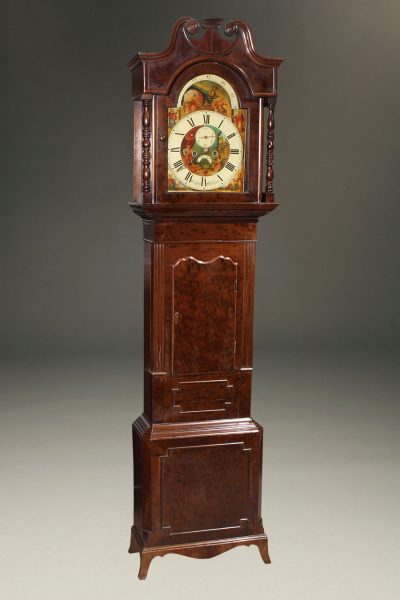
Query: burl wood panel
point(203, 315)
point(203, 306)
point(220, 495)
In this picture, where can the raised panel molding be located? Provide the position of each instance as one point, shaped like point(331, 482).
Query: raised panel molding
point(222, 496)
point(204, 396)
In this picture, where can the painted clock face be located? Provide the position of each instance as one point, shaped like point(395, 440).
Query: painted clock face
point(206, 137)
point(204, 150)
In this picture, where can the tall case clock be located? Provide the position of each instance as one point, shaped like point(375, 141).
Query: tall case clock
point(203, 123)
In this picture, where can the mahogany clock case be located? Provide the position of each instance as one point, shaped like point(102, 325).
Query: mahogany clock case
point(197, 451)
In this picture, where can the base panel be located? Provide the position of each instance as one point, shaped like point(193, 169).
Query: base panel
point(205, 549)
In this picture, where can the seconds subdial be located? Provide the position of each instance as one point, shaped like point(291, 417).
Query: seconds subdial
point(205, 137)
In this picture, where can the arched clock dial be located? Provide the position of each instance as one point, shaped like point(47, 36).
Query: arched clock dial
point(205, 150)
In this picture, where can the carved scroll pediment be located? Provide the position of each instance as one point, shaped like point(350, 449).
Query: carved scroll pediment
point(194, 41)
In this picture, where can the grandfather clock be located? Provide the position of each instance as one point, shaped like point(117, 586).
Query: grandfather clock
point(199, 172)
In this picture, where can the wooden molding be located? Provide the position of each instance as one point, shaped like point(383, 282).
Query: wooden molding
point(194, 41)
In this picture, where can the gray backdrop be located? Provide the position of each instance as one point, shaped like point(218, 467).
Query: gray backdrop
point(327, 270)
point(326, 379)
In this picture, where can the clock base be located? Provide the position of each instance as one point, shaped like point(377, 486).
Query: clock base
point(204, 549)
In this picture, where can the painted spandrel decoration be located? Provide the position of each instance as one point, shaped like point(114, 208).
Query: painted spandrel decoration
point(206, 137)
